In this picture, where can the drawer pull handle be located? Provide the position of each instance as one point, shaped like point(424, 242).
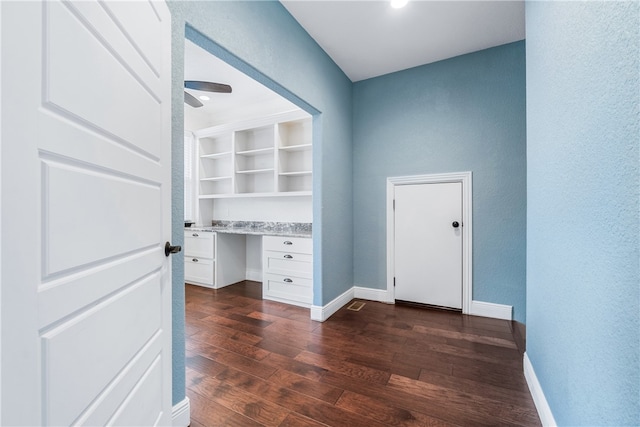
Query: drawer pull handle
point(195, 234)
point(287, 280)
point(195, 260)
point(287, 242)
point(288, 256)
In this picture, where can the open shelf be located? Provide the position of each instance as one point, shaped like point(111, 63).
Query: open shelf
point(215, 145)
point(248, 195)
point(257, 152)
point(294, 133)
point(265, 157)
point(215, 155)
point(215, 178)
point(301, 147)
point(256, 171)
point(299, 173)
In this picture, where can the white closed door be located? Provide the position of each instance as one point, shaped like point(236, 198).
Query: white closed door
point(428, 244)
point(85, 177)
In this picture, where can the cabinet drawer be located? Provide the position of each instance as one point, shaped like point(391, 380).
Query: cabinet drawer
point(198, 270)
point(288, 263)
point(198, 244)
point(287, 244)
point(290, 288)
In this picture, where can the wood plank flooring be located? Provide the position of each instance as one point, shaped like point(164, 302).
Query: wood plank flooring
point(261, 363)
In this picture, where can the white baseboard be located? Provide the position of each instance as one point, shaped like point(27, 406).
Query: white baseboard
point(478, 308)
point(542, 406)
point(322, 313)
point(252, 274)
point(489, 309)
point(181, 413)
point(380, 295)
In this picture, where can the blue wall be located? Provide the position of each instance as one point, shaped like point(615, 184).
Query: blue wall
point(461, 114)
point(263, 40)
point(177, 219)
point(583, 213)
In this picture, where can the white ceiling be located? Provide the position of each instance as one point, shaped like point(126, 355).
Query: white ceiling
point(365, 39)
point(369, 38)
point(248, 99)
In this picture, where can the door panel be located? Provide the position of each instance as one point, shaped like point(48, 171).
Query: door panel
point(136, 409)
point(96, 338)
point(428, 249)
point(110, 405)
point(74, 196)
point(86, 287)
point(140, 22)
point(100, 76)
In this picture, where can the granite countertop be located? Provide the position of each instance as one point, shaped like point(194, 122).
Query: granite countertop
point(258, 228)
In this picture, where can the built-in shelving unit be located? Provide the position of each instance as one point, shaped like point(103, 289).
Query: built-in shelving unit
point(266, 157)
point(294, 155)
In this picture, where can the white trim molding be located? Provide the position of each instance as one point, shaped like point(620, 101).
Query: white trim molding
point(465, 178)
point(181, 413)
point(489, 309)
point(478, 308)
point(322, 313)
point(542, 406)
point(370, 294)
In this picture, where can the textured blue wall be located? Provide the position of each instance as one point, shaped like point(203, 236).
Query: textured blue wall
point(465, 113)
point(177, 214)
point(583, 214)
point(263, 40)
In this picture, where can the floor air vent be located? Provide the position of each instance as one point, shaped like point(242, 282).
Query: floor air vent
point(356, 306)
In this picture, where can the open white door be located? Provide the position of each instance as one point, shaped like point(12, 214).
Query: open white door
point(85, 176)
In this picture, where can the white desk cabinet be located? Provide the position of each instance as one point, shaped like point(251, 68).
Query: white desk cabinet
point(213, 260)
point(287, 265)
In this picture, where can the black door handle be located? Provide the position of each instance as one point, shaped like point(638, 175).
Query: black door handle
point(455, 224)
point(168, 249)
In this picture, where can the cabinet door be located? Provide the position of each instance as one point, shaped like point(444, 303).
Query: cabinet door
point(288, 263)
point(288, 244)
point(289, 289)
point(199, 244)
point(198, 271)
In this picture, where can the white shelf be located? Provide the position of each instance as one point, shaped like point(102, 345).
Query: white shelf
point(256, 171)
point(215, 155)
point(248, 195)
point(215, 178)
point(258, 152)
point(298, 173)
point(301, 147)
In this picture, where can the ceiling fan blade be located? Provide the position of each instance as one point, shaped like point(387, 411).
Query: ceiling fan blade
point(207, 86)
point(192, 100)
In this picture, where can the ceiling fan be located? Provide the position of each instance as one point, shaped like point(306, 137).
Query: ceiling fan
point(205, 86)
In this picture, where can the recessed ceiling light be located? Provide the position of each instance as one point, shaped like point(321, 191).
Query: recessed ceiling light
point(204, 97)
point(397, 4)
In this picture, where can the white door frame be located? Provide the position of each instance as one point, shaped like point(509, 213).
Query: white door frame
point(467, 242)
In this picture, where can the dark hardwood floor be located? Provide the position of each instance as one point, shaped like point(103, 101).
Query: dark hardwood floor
point(260, 363)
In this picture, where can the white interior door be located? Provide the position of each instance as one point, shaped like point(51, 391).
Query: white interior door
point(428, 245)
point(85, 176)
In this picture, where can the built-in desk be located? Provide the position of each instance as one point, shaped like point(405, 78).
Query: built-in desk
point(215, 256)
